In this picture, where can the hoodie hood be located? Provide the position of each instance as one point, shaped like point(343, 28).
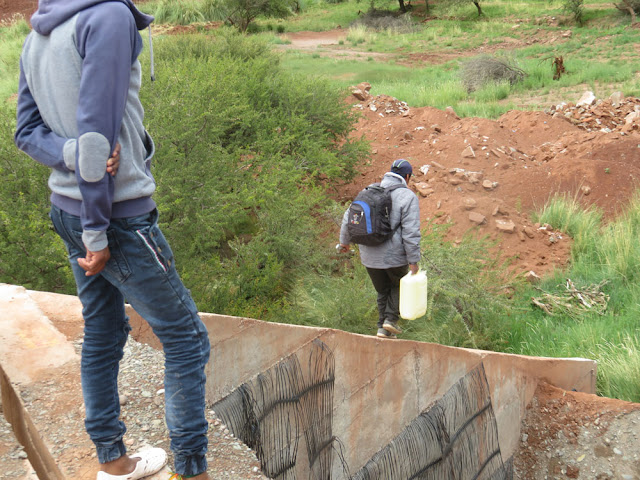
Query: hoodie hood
point(52, 13)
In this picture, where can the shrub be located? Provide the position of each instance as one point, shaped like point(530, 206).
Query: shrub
point(486, 69)
point(385, 20)
point(576, 9)
point(32, 254)
point(238, 174)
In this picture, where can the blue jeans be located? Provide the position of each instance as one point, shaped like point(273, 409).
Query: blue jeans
point(142, 272)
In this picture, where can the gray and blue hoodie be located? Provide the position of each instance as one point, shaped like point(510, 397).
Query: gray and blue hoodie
point(403, 247)
point(79, 83)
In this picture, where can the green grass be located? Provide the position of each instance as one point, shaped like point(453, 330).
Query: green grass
point(601, 253)
point(11, 39)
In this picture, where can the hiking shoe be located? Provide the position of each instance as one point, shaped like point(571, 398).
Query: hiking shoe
point(382, 333)
point(391, 327)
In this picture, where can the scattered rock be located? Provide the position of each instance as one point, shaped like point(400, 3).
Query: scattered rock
point(551, 239)
point(469, 203)
point(424, 189)
point(474, 177)
point(587, 99)
point(586, 190)
point(632, 116)
point(359, 94)
point(451, 111)
point(616, 98)
point(478, 218)
point(468, 152)
point(506, 226)
point(364, 86)
point(489, 185)
point(529, 232)
point(499, 210)
point(532, 277)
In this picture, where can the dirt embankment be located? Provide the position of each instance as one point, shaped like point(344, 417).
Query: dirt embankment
point(489, 176)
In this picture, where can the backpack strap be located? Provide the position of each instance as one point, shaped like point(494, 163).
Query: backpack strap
point(391, 189)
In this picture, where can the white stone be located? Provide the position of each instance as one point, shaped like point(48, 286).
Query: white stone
point(587, 99)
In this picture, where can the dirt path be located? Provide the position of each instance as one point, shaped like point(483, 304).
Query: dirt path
point(328, 44)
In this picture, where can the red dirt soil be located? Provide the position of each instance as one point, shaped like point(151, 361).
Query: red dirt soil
point(498, 172)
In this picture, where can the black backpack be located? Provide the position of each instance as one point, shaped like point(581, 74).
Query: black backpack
point(369, 215)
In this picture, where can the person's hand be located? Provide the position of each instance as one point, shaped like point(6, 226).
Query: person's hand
point(94, 262)
point(114, 161)
point(414, 268)
point(342, 248)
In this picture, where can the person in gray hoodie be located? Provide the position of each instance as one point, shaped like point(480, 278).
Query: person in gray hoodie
point(79, 113)
point(388, 262)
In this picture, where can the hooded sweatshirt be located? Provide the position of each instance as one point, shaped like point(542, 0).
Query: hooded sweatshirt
point(403, 247)
point(78, 96)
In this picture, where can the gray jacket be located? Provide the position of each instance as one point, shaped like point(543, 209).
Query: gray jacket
point(403, 247)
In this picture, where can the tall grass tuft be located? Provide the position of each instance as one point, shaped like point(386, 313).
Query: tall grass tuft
point(360, 34)
point(621, 361)
point(567, 214)
point(180, 12)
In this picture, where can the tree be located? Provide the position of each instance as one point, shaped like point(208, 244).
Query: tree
point(475, 2)
point(240, 13)
point(632, 7)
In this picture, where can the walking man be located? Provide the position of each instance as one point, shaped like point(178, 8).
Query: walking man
point(388, 262)
point(79, 113)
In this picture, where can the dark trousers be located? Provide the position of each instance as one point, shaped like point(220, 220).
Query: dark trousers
point(386, 281)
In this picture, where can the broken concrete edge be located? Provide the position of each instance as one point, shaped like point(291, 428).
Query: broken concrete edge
point(26, 433)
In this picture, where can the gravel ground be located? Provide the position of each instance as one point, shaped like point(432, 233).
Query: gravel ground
point(142, 399)
point(13, 459)
point(579, 436)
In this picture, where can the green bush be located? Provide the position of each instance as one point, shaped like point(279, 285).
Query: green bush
point(242, 148)
point(32, 254)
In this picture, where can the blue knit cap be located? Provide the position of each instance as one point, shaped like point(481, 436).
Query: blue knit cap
point(402, 167)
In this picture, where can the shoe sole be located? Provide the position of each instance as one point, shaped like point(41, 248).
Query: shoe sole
point(381, 335)
point(391, 328)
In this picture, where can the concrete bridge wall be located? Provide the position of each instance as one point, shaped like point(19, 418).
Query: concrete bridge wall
point(379, 386)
